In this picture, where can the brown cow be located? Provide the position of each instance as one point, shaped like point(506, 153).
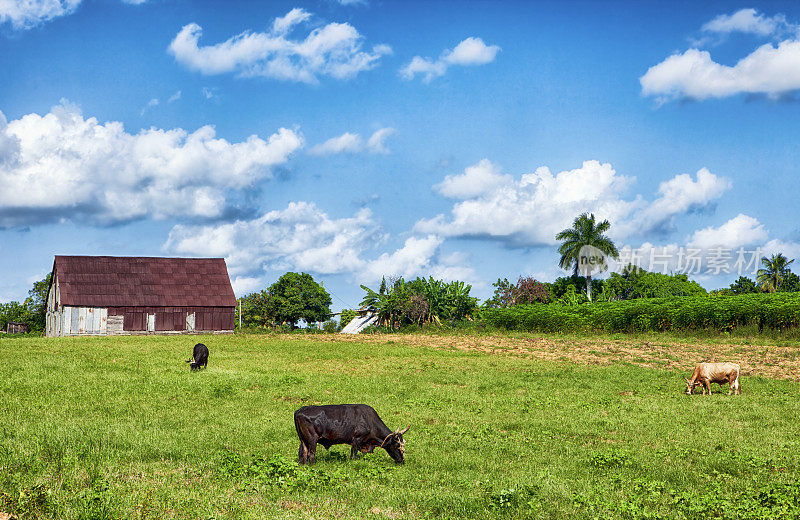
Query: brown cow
point(706, 373)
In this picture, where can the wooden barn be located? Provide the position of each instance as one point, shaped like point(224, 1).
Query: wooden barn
point(16, 327)
point(108, 295)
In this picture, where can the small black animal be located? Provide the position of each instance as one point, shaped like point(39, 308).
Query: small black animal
point(355, 424)
point(199, 357)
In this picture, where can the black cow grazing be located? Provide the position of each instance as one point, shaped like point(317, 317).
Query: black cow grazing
point(199, 357)
point(355, 424)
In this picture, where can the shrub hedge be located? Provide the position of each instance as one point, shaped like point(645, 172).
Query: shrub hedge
point(780, 311)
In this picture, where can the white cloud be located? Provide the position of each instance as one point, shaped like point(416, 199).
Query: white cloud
point(243, 285)
point(654, 258)
point(419, 256)
point(710, 266)
point(354, 143)
point(413, 259)
point(769, 70)
point(377, 141)
point(707, 267)
point(64, 166)
point(476, 180)
point(713, 254)
point(332, 50)
point(469, 52)
point(532, 210)
point(284, 24)
point(345, 143)
point(303, 238)
point(25, 14)
point(299, 237)
point(425, 67)
point(682, 194)
point(748, 21)
point(174, 97)
point(352, 2)
point(739, 231)
point(209, 93)
point(789, 249)
point(9, 144)
point(150, 104)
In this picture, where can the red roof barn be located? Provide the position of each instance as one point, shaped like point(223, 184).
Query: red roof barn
point(101, 295)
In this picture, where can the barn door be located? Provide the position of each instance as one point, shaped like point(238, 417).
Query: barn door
point(151, 323)
point(189, 321)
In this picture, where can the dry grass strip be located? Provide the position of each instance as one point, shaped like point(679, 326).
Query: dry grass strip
point(777, 362)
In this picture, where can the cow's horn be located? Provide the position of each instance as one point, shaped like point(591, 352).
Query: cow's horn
point(404, 430)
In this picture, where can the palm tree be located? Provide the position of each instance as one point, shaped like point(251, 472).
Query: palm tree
point(775, 270)
point(584, 232)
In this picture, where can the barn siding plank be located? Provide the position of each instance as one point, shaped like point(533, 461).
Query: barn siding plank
point(88, 327)
point(66, 320)
point(103, 322)
point(216, 321)
point(74, 328)
point(133, 321)
point(115, 324)
point(82, 320)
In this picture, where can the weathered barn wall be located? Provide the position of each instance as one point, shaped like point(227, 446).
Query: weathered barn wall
point(83, 320)
point(166, 319)
point(114, 325)
point(75, 321)
point(53, 315)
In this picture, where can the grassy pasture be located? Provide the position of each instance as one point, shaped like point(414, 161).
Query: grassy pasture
point(119, 428)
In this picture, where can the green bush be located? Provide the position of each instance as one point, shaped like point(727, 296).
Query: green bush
point(420, 302)
point(777, 311)
point(276, 473)
point(635, 282)
point(330, 326)
point(644, 499)
point(347, 316)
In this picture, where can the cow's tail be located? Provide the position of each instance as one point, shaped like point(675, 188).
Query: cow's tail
point(736, 384)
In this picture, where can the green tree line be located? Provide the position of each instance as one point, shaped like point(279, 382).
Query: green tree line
point(31, 311)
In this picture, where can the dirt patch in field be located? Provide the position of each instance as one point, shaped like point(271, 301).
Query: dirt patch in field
point(765, 360)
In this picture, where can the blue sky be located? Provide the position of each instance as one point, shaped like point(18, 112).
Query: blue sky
point(353, 140)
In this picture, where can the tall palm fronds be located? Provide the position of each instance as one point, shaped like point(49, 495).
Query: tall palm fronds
point(420, 301)
point(584, 231)
point(775, 269)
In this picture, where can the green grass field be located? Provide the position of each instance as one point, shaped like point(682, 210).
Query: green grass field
point(119, 428)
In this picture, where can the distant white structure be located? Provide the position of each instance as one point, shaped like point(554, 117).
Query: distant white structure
point(359, 323)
